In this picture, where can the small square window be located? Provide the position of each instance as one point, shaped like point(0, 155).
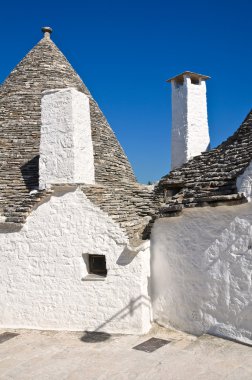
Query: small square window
point(97, 265)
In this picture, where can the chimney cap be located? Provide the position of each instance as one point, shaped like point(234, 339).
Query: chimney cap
point(47, 30)
point(190, 74)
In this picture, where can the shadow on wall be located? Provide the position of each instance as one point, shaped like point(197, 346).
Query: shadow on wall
point(146, 234)
point(126, 257)
point(30, 173)
point(100, 336)
point(152, 288)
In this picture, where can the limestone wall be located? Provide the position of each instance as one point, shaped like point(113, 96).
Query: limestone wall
point(202, 270)
point(44, 278)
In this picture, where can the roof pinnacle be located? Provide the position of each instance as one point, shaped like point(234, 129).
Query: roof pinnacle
point(47, 31)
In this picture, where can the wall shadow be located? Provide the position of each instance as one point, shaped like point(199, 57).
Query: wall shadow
point(95, 337)
point(30, 173)
point(216, 335)
point(125, 258)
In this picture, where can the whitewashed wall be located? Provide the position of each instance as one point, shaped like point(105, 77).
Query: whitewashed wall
point(179, 134)
point(198, 131)
point(244, 183)
point(202, 271)
point(42, 271)
point(190, 133)
point(66, 147)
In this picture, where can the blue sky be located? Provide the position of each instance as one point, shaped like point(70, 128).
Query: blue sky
point(125, 50)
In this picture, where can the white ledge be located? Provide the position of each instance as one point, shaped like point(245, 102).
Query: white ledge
point(141, 247)
point(93, 277)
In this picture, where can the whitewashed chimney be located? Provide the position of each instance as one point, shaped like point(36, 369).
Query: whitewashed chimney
point(190, 134)
point(66, 148)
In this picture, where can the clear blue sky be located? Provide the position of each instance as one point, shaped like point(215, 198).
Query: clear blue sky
point(125, 50)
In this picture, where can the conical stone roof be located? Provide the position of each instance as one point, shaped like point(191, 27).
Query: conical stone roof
point(45, 67)
point(116, 190)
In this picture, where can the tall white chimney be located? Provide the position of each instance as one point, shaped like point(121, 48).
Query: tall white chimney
point(190, 135)
point(66, 148)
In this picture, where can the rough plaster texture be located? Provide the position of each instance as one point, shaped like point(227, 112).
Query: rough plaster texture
point(244, 183)
point(202, 270)
point(43, 266)
point(66, 149)
point(190, 135)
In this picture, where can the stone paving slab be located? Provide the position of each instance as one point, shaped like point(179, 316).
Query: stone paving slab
point(53, 355)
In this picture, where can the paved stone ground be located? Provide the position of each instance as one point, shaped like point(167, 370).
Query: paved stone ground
point(51, 355)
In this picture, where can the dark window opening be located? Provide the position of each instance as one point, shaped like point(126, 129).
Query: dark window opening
point(97, 265)
point(169, 193)
point(195, 81)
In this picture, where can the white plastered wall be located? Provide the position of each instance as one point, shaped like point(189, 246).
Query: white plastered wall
point(66, 148)
point(42, 271)
point(202, 271)
point(179, 125)
point(244, 183)
point(190, 133)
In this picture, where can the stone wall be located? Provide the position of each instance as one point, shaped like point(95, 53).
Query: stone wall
point(202, 270)
point(44, 279)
